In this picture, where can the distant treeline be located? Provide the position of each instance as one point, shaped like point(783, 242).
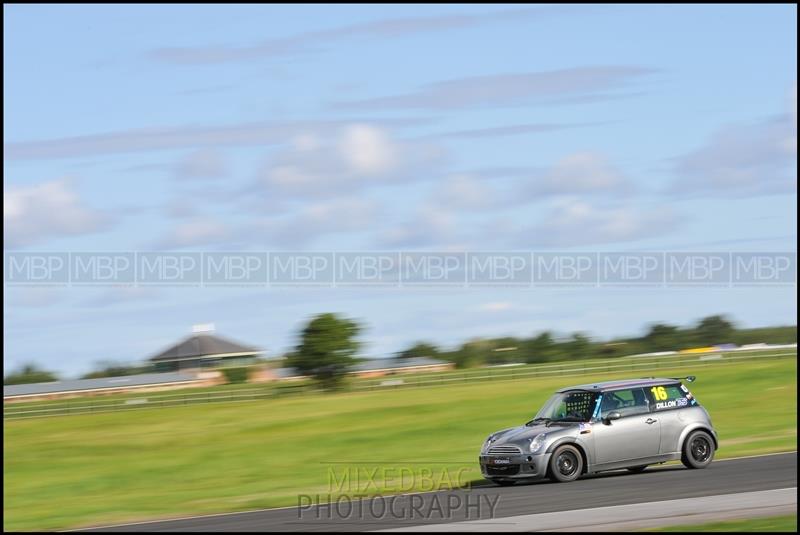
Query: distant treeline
point(32, 373)
point(329, 344)
point(548, 347)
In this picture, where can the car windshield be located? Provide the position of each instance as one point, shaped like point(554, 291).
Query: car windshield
point(574, 406)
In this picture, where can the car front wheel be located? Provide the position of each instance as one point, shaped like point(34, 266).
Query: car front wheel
point(698, 450)
point(566, 463)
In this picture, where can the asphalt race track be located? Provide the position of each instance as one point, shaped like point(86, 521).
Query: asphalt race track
point(483, 501)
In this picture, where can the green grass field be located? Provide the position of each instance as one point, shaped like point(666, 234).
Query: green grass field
point(70, 471)
point(632, 365)
point(768, 524)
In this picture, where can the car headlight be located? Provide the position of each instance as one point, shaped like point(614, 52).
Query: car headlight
point(538, 442)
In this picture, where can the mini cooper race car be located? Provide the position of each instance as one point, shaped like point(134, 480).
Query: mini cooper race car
point(603, 426)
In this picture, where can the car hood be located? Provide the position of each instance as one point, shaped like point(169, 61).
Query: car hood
point(524, 434)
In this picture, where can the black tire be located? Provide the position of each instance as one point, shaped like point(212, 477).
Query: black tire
point(637, 469)
point(503, 482)
point(566, 464)
point(698, 450)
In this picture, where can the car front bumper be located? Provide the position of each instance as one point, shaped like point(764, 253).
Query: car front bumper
point(514, 466)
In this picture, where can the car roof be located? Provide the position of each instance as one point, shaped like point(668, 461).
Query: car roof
point(623, 383)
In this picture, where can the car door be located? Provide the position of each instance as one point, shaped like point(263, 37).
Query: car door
point(669, 400)
point(635, 435)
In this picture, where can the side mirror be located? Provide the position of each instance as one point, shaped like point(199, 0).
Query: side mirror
point(611, 416)
point(691, 378)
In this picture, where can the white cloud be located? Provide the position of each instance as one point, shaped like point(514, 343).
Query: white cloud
point(349, 158)
point(34, 297)
point(464, 192)
point(315, 220)
point(106, 297)
point(180, 208)
point(582, 172)
point(195, 232)
point(574, 223)
point(33, 214)
point(496, 306)
point(790, 144)
point(577, 84)
point(305, 141)
point(430, 225)
point(202, 164)
point(261, 133)
point(382, 28)
point(744, 159)
point(513, 130)
point(367, 149)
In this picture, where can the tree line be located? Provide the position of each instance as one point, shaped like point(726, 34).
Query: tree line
point(328, 346)
point(550, 347)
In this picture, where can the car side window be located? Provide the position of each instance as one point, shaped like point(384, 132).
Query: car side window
point(669, 396)
point(626, 402)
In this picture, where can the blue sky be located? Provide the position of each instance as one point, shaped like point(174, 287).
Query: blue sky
point(421, 128)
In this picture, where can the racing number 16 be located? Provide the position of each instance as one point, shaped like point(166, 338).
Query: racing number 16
point(659, 392)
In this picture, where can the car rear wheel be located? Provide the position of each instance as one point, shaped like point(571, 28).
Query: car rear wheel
point(698, 450)
point(566, 463)
point(637, 469)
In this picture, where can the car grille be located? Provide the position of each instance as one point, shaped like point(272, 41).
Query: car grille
point(507, 470)
point(504, 450)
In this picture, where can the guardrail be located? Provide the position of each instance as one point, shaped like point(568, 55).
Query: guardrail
point(649, 365)
point(556, 370)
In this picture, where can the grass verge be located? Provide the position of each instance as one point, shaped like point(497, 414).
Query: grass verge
point(79, 470)
point(768, 524)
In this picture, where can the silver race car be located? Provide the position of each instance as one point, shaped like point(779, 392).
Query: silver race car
point(603, 426)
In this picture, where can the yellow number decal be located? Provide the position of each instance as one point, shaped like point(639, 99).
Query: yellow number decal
point(659, 392)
